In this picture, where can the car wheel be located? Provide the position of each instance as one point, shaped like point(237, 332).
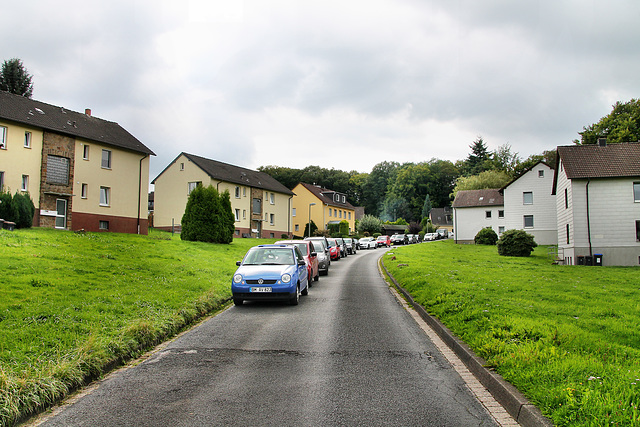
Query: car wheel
point(296, 298)
point(315, 279)
point(238, 301)
point(306, 289)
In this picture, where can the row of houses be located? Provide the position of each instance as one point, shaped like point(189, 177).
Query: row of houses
point(86, 173)
point(588, 205)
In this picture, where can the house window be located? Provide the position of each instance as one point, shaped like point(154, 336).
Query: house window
point(25, 183)
point(192, 186)
point(85, 190)
point(106, 159)
point(541, 173)
point(236, 232)
point(339, 214)
point(237, 214)
point(85, 152)
point(272, 219)
point(237, 192)
point(501, 229)
point(272, 235)
point(61, 213)
point(1, 180)
point(104, 225)
point(244, 214)
point(527, 198)
point(293, 211)
point(3, 137)
point(344, 199)
point(501, 214)
point(349, 215)
point(244, 192)
point(297, 227)
point(181, 166)
point(337, 198)
point(637, 231)
point(528, 221)
point(257, 206)
point(329, 212)
point(27, 140)
point(335, 212)
point(567, 234)
point(566, 198)
point(105, 196)
point(272, 199)
point(487, 214)
point(636, 192)
point(57, 170)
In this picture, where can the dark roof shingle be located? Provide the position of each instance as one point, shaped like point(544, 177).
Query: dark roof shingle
point(324, 195)
point(477, 198)
point(594, 161)
point(58, 119)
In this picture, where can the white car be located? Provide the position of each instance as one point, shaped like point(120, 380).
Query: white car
point(430, 236)
point(367, 243)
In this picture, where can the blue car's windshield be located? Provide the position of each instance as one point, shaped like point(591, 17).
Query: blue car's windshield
point(269, 256)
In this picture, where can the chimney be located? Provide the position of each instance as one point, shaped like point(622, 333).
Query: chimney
point(87, 111)
point(602, 142)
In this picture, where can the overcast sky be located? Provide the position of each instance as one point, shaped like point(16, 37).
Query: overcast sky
point(338, 84)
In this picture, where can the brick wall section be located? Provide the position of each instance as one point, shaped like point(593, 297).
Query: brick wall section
point(62, 146)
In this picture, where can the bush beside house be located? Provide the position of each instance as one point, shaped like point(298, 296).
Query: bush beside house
point(516, 243)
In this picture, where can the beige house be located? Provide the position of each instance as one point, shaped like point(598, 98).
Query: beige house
point(325, 207)
point(261, 204)
point(81, 172)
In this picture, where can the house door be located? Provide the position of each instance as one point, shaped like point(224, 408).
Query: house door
point(61, 213)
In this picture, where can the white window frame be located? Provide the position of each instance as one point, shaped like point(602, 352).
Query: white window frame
point(297, 227)
point(85, 152)
point(237, 212)
point(541, 173)
point(524, 197)
point(24, 184)
point(84, 191)
point(1, 180)
point(636, 192)
point(106, 163)
point(330, 211)
point(244, 214)
point(61, 217)
point(293, 211)
point(272, 219)
point(487, 214)
point(181, 166)
point(524, 221)
point(500, 229)
point(192, 186)
point(501, 213)
point(105, 196)
point(103, 225)
point(272, 198)
point(27, 139)
point(237, 192)
point(3, 137)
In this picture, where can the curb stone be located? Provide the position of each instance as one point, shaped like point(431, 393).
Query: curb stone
point(514, 402)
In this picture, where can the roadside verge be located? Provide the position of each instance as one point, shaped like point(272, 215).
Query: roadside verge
point(514, 402)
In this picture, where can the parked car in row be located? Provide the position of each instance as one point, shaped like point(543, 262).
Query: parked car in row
point(350, 245)
point(430, 237)
point(309, 253)
point(368, 243)
point(399, 239)
point(334, 249)
point(324, 257)
point(383, 241)
point(271, 272)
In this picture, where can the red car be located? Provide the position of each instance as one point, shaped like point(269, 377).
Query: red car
point(334, 249)
point(383, 241)
point(309, 254)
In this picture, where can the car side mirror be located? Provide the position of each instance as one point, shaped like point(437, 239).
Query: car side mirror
point(313, 254)
point(301, 262)
point(238, 263)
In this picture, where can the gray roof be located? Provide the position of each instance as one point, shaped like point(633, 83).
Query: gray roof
point(477, 198)
point(60, 120)
point(327, 196)
point(234, 174)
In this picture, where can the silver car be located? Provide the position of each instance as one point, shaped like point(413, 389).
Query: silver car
point(322, 249)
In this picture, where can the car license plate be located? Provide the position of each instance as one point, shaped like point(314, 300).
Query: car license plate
point(261, 289)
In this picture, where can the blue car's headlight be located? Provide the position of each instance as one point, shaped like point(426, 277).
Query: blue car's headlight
point(237, 278)
point(286, 278)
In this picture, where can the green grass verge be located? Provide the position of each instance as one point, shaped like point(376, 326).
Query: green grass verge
point(568, 337)
point(73, 306)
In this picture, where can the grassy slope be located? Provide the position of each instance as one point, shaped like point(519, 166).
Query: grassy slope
point(566, 336)
point(72, 304)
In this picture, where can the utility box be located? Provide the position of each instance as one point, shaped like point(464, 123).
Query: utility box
point(588, 260)
point(581, 260)
point(597, 260)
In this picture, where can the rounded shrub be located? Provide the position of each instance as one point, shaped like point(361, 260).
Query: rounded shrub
point(516, 243)
point(486, 236)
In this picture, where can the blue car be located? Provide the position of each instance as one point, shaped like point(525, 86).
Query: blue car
point(270, 273)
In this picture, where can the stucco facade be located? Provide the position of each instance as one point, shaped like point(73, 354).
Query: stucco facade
point(63, 171)
point(329, 207)
point(259, 212)
point(474, 210)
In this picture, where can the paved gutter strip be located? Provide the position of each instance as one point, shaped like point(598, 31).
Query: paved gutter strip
point(514, 409)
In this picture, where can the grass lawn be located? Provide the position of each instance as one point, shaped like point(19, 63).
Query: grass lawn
point(74, 305)
point(568, 337)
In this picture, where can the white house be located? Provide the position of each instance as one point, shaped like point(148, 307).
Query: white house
point(474, 210)
point(597, 190)
point(530, 206)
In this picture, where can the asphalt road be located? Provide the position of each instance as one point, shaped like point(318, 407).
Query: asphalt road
point(348, 355)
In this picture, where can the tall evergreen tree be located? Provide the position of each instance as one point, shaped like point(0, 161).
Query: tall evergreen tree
point(477, 160)
point(14, 78)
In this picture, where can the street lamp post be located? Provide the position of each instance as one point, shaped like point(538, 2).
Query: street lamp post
point(309, 225)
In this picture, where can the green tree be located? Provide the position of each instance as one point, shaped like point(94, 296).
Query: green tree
point(344, 228)
point(208, 216)
point(505, 160)
point(426, 207)
point(314, 228)
point(24, 209)
point(516, 243)
point(486, 236)
point(621, 125)
point(375, 190)
point(15, 79)
point(484, 180)
point(369, 224)
point(478, 160)
point(227, 221)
